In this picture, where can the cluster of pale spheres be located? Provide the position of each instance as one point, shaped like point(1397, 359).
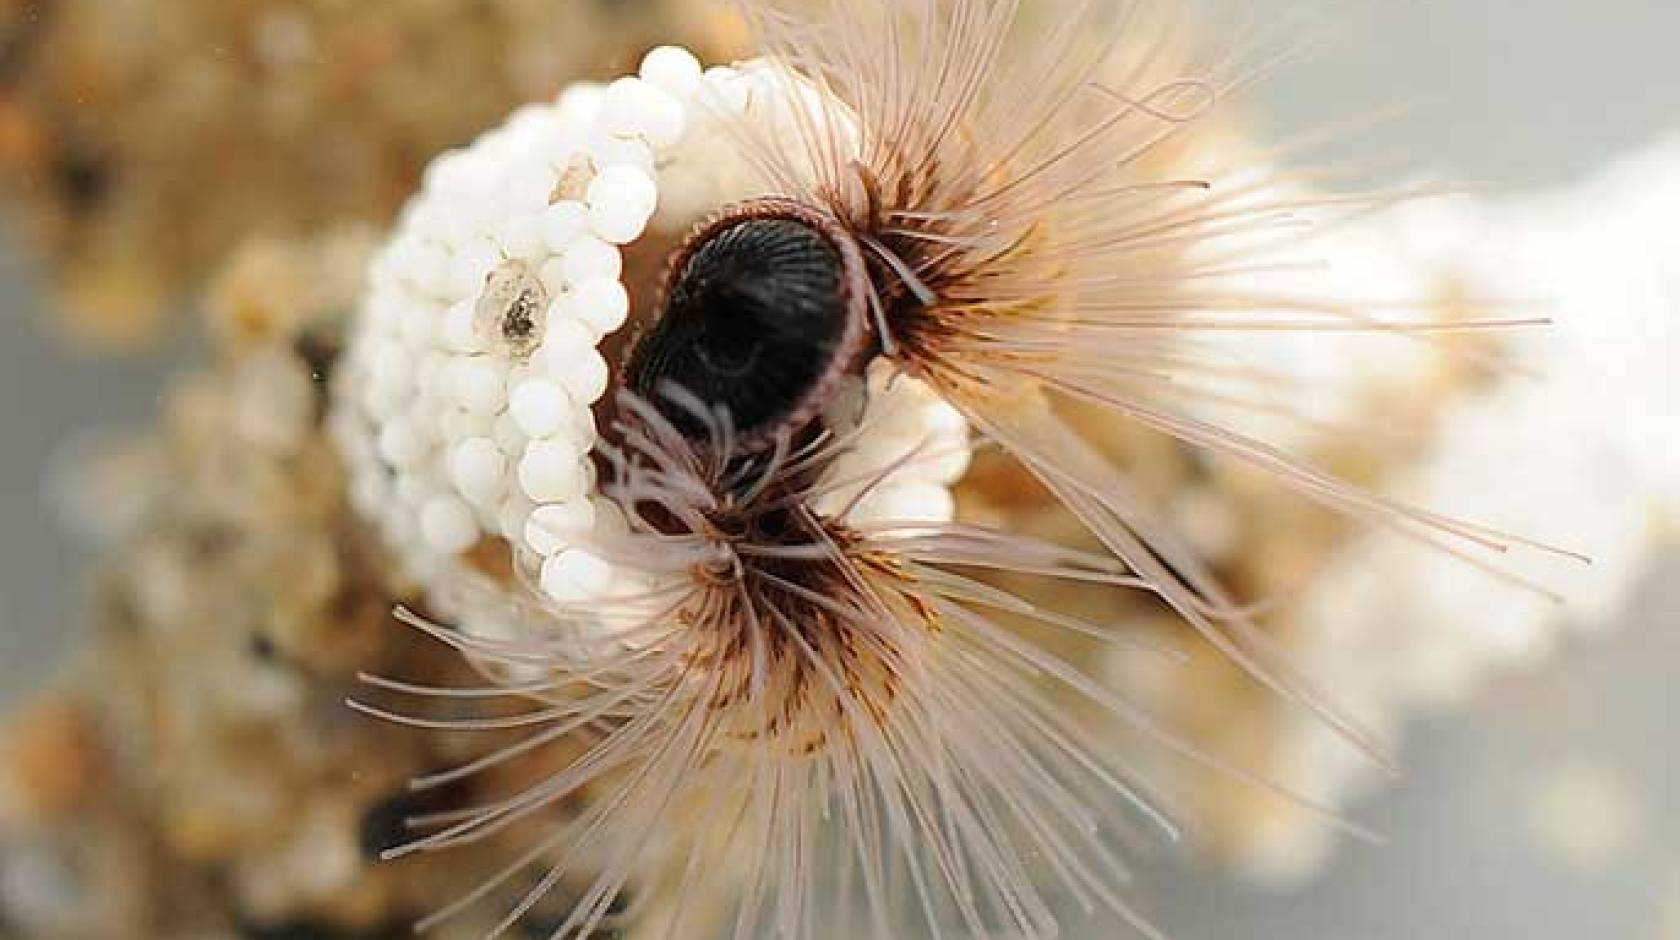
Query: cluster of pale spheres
point(465, 402)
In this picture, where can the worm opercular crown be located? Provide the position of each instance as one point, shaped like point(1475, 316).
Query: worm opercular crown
point(763, 316)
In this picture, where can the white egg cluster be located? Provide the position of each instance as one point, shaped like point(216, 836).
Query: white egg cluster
point(1576, 449)
point(464, 403)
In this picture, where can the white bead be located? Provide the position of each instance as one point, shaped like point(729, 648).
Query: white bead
point(470, 267)
point(610, 521)
point(942, 418)
point(634, 584)
point(400, 526)
point(586, 466)
point(384, 401)
point(908, 502)
point(488, 516)
point(672, 69)
point(455, 171)
point(947, 459)
point(585, 377)
point(582, 430)
point(456, 332)
point(621, 200)
point(539, 407)
point(552, 275)
point(568, 358)
point(581, 102)
point(418, 219)
point(415, 327)
point(515, 511)
point(476, 384)
point(565, 340)
point(415, 261)
point(667, 121)
point(550, 472)
point(575, 575)
point(402, 444)
point(478, 466)
point(635, 108)
point(459, 424)
point(433, 375)
point(529, 121)
point(618, 224)
point(524, 235)
point(435, 280)
point(527, 189)
point(725, 89)
point(601, 303)
point(448, 525)
point(590, 257)
point(440, 174)
point(413, 490)
point(556, 526)
point(606, 149)
point(563, 223)
point(384, 310)
point(557, 145)
point(509, 439)
point(390, 364)
point(626, 185)
point(685, 193)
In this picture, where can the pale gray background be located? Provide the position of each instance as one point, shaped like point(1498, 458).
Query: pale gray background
point(1510, 93)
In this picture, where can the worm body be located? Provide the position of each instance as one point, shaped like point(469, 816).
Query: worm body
point(728, 560)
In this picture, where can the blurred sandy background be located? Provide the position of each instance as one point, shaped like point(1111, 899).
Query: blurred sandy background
point(1513, 94)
